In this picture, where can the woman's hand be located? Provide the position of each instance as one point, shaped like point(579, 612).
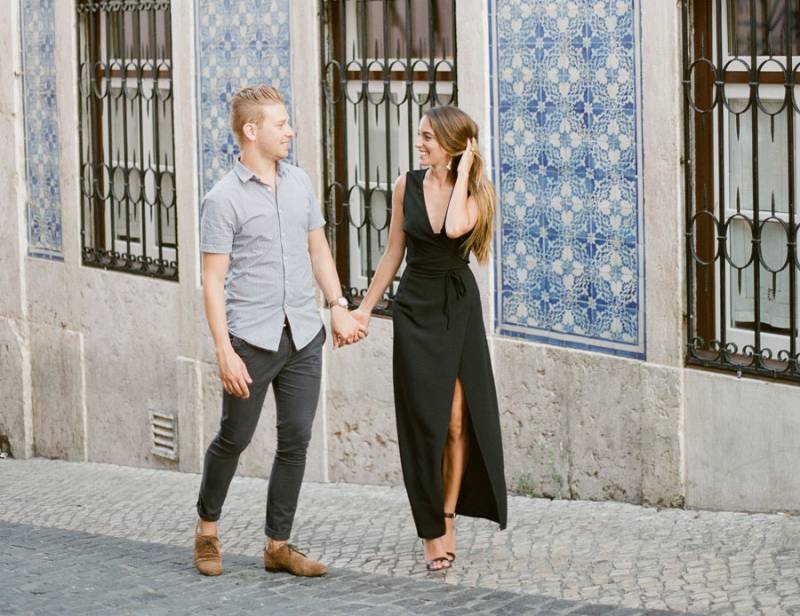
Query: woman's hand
point(468, 157)
point(362, 318)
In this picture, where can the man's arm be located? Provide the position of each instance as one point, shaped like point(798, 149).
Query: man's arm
point(232, 371)
point(345, 328)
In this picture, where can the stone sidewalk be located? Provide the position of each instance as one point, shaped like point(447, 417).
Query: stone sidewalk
point(120, 576)
point(556, 556)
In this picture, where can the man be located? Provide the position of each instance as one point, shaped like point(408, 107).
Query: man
point(262, 236)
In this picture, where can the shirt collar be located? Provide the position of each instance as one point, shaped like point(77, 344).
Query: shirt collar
point(244, 174)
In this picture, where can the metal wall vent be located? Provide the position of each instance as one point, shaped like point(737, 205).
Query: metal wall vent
point(164, 428)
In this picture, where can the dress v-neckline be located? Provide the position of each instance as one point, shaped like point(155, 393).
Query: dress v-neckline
point(425, 206)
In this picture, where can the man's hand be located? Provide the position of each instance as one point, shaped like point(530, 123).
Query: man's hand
point(233, 372)
point(346, 330)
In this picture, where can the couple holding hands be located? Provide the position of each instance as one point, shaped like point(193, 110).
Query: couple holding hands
point(262, 238)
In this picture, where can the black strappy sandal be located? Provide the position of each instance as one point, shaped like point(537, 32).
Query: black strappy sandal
point(429, 564)
point(451, 557)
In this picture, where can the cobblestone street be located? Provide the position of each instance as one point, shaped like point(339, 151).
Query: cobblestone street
point(91, 538)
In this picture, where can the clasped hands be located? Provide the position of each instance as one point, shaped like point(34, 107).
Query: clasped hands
point(348, 327)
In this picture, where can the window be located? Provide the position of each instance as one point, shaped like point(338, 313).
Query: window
point(740, 120)
point(127, 173)
point(384, 62)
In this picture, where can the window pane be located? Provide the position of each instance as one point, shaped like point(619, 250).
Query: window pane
point(392, 31)
point(770, 21)
point(774, 288)
point(773, 185)
point(139, 35)
point(169, 230)
point(772, 154)
point(371, 239)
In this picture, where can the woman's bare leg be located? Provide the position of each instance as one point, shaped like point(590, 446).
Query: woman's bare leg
point(456, 454)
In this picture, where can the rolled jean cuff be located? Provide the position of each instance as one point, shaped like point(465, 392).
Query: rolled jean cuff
point(277, 536)
point(205, 516)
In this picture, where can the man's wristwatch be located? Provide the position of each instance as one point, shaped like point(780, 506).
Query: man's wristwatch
point(339, 301)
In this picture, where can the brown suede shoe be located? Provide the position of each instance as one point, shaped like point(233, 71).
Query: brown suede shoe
point(207, 555)
point(288, 558)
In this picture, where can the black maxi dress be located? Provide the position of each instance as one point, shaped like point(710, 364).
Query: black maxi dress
point(438, 336)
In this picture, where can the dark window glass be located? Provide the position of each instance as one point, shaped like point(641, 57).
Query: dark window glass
point(774, 22)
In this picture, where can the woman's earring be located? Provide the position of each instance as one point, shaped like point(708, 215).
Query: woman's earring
point(449, 164)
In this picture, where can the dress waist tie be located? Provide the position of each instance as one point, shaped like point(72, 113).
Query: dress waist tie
point(453, 276)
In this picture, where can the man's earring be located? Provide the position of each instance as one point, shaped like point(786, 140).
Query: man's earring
point(449, 164)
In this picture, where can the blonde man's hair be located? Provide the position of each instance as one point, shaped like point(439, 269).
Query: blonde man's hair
point(247, 107)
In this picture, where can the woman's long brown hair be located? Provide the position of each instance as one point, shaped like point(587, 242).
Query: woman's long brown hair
point(452, 128)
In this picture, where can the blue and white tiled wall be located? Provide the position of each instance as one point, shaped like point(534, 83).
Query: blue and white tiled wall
point(41, 129)
point(239, 43)
point(566, 105)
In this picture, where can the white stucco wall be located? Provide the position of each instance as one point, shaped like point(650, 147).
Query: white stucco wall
point(742, 449)
point(16, 413)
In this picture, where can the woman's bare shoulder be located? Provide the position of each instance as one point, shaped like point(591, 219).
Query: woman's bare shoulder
point(400, 182)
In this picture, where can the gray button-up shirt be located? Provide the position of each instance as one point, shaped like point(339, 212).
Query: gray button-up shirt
point(266, 234)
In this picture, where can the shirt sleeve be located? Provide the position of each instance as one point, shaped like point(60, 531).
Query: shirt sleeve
point(315, 218)
point(217, 226)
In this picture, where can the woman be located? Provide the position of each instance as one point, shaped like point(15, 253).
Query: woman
point(445, 401)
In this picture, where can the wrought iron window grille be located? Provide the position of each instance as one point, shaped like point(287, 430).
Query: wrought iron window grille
point(740, 105)
point(383, 63)
point(127, 173)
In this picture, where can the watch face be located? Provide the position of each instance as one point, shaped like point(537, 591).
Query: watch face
point(342, 302)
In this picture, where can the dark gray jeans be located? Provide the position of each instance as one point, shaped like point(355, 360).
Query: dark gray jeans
point(295, 377)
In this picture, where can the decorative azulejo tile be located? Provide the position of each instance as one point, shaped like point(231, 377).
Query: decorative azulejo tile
point(41, 129)
point(239, 43)
point(567, 134)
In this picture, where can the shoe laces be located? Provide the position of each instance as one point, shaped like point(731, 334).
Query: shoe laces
point(207, 546)
point(293, 548)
